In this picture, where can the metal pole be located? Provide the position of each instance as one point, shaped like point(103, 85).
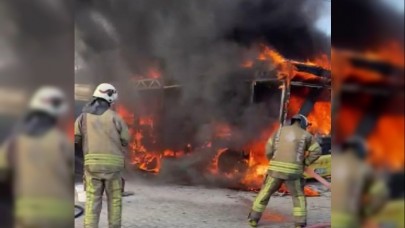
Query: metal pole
point(252, 91)
point(285, 98)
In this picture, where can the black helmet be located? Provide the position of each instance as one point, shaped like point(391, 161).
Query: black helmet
point(302, 119)
point(357, 144)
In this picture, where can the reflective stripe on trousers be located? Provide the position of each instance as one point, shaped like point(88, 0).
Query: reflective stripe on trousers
point(40, 208)
point(269, 187)
point(296, 189)
point(342, 220)
point(285, 167)
point(94, 194)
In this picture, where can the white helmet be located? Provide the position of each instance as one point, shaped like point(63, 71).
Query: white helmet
point(107, 92)
point(51, 100)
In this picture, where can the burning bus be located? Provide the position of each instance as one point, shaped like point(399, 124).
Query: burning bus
point(221, 141)
point(370, 88)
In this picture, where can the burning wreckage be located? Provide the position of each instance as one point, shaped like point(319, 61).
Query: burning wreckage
point(218, 151)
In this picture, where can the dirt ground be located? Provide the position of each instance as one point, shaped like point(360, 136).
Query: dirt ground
point(175, 206)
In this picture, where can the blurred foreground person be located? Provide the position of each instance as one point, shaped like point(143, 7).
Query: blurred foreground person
point(357, 193)
point(103, 136)
point(39, 157)
point(290, 150)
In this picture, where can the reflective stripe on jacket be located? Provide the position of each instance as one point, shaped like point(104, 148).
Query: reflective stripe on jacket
point(103, 162)
point(103, 138)
point(289, 150)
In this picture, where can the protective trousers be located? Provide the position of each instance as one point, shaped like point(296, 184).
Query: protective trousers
point(343, 220)
point(296, 189)
point(95, 188)
point(43, 212)
point(24, 224)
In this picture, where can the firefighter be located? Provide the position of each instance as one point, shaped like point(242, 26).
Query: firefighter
point(289, 151)
point(103, 136)
point(39, 156)
point(357, 192)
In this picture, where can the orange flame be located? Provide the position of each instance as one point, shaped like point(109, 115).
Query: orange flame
point(386, 139)
point(270, 54)
point(247, 64)
point(380, 143)
point(153, 73)
point(173, 154)
point(146, 120)
point(308, 191)
point(150, 161)
point(213, 168)
point(258, 162)
point(319, 117)
point(285, 67)
point(320, 61)
point(125, 114)
point(147, 161)
point(140, 156)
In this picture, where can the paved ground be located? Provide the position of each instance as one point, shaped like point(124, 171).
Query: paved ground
point(174, 206)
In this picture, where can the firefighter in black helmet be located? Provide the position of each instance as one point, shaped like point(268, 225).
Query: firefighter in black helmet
point(358, 193)
point(289, 150)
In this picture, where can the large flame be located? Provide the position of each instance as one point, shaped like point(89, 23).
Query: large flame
point(319, 117)
point(385, 141)
point(258, 162)
point(387, 150)
point(141, 157)
point(285, 67)
point(150, 160)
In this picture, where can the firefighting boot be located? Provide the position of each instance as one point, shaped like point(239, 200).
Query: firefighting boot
point(253, 218)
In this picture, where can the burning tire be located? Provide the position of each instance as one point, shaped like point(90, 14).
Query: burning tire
point(232, 161)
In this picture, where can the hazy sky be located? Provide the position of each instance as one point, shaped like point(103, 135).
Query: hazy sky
point(396, 4)
point(324, 22)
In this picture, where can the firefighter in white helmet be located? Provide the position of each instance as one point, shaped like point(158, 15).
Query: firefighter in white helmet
point(103, 136)
point(40, 159)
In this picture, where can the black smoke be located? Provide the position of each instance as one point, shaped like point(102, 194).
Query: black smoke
point(40, 37)
point(198, 45)
point(285, 25)
point(195, 37)
point(361, 25)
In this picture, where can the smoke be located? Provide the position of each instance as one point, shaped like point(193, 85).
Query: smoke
point(194, 38)
point(286, 25)
point(39, 40)
point(36, 49)
point(199, 45)
point(373, 24)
